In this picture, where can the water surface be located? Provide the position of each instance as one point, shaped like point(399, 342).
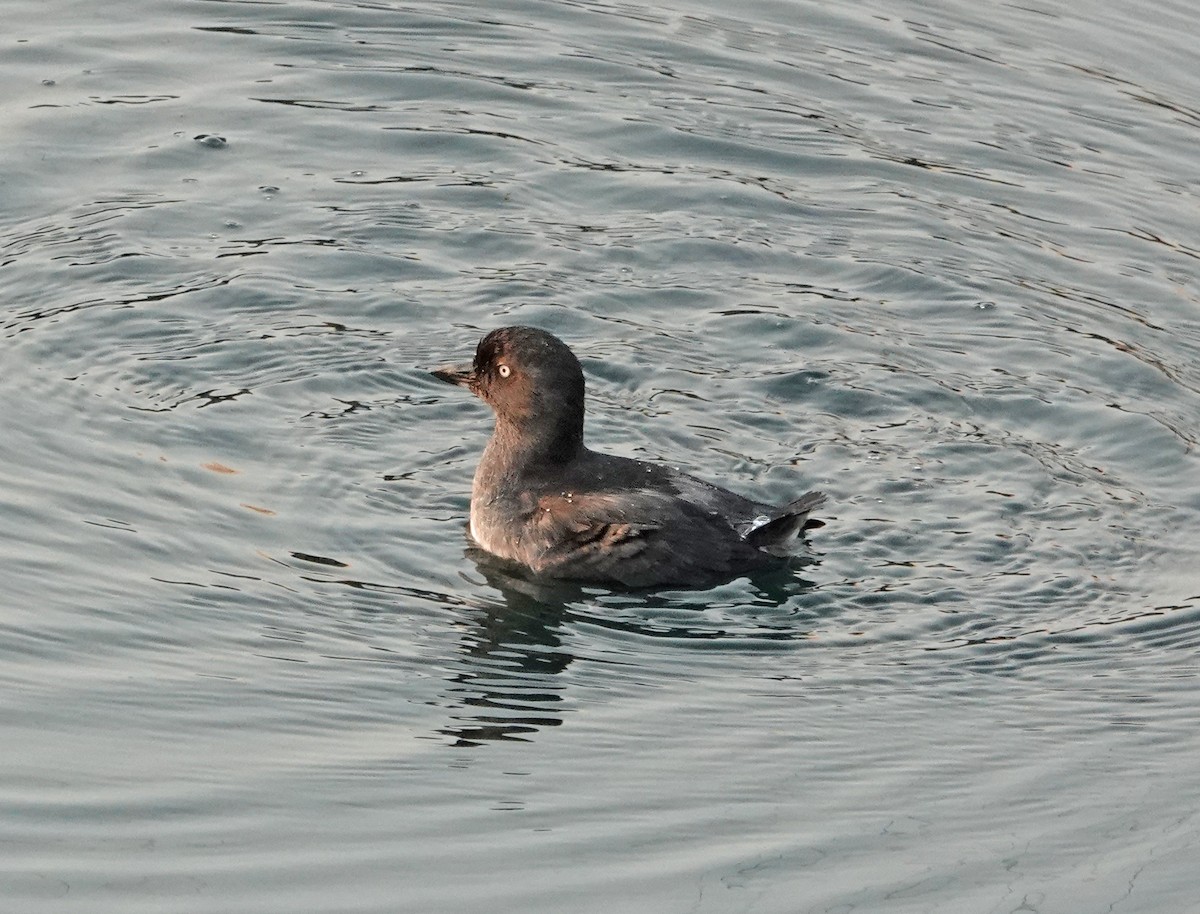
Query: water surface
point(939, 260)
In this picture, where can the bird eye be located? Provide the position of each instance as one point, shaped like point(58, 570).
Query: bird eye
point(504, 370)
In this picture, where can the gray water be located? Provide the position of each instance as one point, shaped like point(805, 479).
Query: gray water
point(938, 259)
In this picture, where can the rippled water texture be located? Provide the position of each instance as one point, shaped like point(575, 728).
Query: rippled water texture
point(937, 259)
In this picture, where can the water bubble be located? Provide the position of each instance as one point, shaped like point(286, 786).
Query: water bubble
point(49, 82)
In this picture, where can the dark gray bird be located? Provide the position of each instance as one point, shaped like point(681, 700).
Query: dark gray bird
point(543, 500)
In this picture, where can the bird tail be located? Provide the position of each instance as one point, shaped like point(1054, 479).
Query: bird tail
point(786, 523)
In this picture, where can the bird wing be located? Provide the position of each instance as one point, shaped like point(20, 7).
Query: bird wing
point(634, 538)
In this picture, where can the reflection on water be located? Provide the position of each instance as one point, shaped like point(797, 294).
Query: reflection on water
point(511, 650)
point(505, 688)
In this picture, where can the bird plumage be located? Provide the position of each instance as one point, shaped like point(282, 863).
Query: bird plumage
point(543, 500)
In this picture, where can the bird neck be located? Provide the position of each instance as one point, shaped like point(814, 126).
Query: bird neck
point(518, 448)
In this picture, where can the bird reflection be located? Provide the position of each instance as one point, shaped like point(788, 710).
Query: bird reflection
point(507, 683)
point(512, 652)
point(512, 655)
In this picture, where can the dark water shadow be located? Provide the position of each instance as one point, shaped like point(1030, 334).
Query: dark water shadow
point(504, 679)
point(511, 654)
point(514, 651)
point(506, 682)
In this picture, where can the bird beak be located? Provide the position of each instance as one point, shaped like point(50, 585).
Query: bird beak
point(462, 375)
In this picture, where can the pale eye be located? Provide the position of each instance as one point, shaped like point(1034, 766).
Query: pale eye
point(504, 370)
